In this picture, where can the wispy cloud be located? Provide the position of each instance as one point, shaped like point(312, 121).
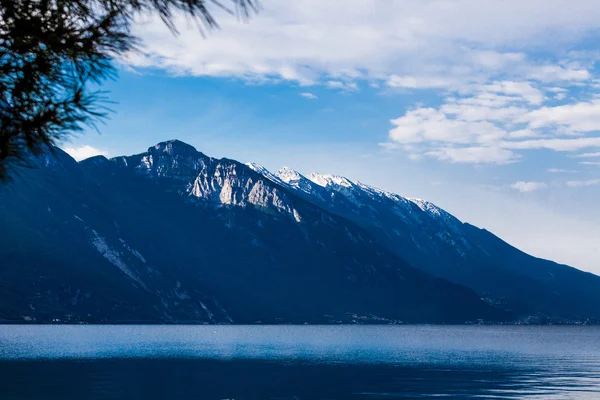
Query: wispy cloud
point(589, 182)
point(560, 170)
point(588, 155)
point(473, 155)
point(527, 187)
point(554, 144)
point(345, 86)
point(308, 95)
point(554, 73)
point(420, 82)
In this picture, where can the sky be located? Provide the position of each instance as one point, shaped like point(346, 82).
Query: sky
point(490, 109)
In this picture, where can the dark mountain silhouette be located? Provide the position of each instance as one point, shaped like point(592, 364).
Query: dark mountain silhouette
point(174, 236)
point(171, 235)
point(433, 240)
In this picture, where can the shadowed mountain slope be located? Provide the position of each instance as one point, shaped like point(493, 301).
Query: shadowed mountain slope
point(171, 235)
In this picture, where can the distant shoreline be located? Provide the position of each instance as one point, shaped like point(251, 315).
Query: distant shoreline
point(152, 323)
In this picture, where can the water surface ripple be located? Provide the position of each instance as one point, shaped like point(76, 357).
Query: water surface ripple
point(298, 362)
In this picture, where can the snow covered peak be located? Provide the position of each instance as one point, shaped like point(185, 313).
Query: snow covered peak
point(289, 175)
point(264, 172)
point(257, 168)
point(285, 176)
point(430, 208)
point(338, 184)
point(330, 181)
point(376, 191)
point(298, 181)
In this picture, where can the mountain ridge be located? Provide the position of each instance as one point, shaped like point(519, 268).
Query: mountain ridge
point(174, 236)
point(439, 243)
point(171, 235)
point(450, 232)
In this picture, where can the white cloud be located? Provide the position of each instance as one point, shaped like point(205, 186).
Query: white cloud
point(345, 86)
point(505, 116)
point(495, 60)
point(559, 93)
point(590, 182)
point(522, 90)
point(523, 133)
point(429, 124)
point(308, 95)
point(556, 89)
point(572, 118)
point(588, 155)
point(473, 155)
point(495, 102)
point(590, 163)
point(554, 144)
point(467, 112)
point(559, 170)
point(83, 152)
point(420, 82)
point(560, 96)
point(553, 73)
point(527, 187)
point(312, 41)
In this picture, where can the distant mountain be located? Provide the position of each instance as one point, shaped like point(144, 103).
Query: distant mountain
point(434, 241)
point(174, 236)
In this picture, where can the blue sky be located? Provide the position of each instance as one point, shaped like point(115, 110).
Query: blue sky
point(489, 109)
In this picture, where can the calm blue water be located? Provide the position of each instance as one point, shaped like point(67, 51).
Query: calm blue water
point(298, 362)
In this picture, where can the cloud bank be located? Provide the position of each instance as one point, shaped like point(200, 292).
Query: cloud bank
point(504, 72)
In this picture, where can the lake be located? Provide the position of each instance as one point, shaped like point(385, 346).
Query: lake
point(298, 362)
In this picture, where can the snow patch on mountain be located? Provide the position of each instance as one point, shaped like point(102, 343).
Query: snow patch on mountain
point(436, 212)
point(289, 175)
point(338, 184)
point(427, 207)
point(298, 181)
point(265, 172)
point(330, 181)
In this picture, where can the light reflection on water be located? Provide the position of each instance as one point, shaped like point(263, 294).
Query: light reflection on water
point(301, 362)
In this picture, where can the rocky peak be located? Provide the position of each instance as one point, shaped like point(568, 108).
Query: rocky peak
point(173, 148)
point(265, 172)
point(94, 160)
point(288, 175)
point(171, 159)
point(330, 181)
point(336, 184)
point(298, 181)
point(57, 160)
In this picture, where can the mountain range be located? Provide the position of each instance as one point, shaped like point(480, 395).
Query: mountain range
point(174, 236)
